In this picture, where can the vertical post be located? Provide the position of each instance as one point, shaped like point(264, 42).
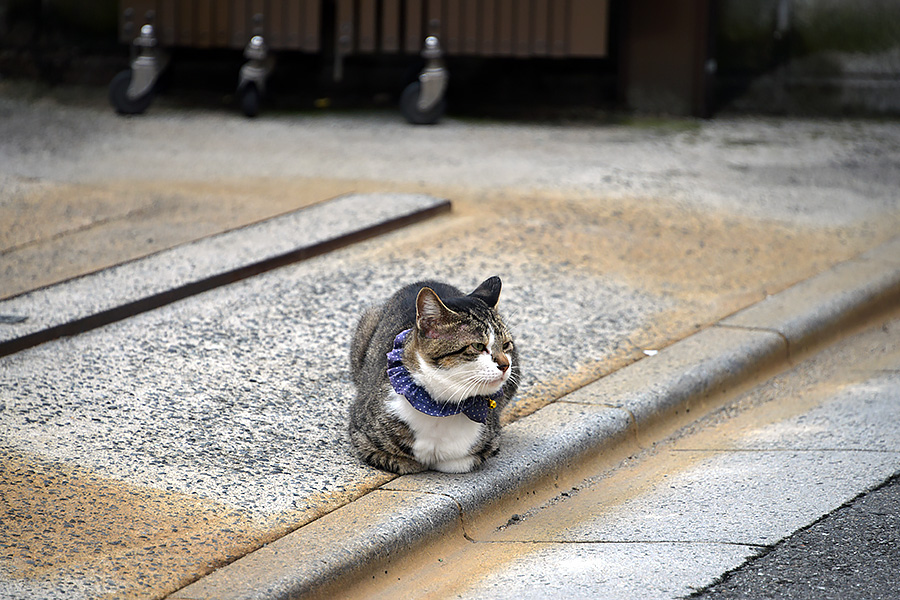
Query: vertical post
point(667, 57)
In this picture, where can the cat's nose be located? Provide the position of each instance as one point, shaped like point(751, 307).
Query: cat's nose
point(503, 367)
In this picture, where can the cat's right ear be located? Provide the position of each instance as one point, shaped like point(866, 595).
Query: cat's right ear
point(488, 291)
point(431, 314)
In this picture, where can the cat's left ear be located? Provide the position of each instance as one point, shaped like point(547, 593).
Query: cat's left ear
point(432, 316)
point(488, 291)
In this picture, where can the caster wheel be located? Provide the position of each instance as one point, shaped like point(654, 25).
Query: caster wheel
point(249, 98)
point(409, 107)
point(118, 96)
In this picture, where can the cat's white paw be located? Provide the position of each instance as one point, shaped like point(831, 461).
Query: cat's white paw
point(458, 465)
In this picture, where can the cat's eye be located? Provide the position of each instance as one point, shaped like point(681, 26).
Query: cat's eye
point(477, 347)
point(507, 346)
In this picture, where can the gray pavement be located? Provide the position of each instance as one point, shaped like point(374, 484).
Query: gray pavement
point(149, 453)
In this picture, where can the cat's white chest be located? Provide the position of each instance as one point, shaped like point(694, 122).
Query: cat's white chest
point(442, 443)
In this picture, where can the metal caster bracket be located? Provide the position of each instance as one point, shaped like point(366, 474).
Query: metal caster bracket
point(433, 78)
point(147, 66)
point(258, 66)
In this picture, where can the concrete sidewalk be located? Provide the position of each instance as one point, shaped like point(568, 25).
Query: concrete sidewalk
point(683, 511)
point(148, 453)
point(264, 494)
point(587, 431)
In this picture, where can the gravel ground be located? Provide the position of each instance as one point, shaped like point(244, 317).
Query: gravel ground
point(760, 167)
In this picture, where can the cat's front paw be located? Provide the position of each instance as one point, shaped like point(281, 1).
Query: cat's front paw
point(394, 464)
point(402, 466)
point(457, 465)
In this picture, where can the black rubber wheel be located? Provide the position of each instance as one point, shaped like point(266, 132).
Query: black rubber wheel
point(118, 96)
point(249, 98)
point(408, 106)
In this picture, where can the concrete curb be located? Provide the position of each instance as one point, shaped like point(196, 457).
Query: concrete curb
point(600, 422)
point(113, 294)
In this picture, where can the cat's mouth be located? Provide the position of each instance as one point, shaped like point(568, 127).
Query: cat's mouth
point(493, 386)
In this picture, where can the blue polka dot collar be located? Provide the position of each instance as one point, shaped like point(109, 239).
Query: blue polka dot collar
point(475, 407)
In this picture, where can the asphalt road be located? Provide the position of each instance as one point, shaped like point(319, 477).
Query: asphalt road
point(852, 553)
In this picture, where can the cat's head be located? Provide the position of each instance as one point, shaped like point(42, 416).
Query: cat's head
point(462, 346)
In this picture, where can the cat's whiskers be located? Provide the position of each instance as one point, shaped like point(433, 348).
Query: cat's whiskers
point(467, 388)
point(511, 315)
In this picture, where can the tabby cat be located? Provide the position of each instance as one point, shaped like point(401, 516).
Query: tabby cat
point(433, 368)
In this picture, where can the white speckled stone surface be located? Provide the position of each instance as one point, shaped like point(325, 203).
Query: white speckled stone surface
point(88, 295)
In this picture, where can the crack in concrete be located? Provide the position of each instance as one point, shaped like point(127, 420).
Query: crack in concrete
point(629, 542)
point(137, 212)
point(784, 338)
point(459, 509)
point(761, 450)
